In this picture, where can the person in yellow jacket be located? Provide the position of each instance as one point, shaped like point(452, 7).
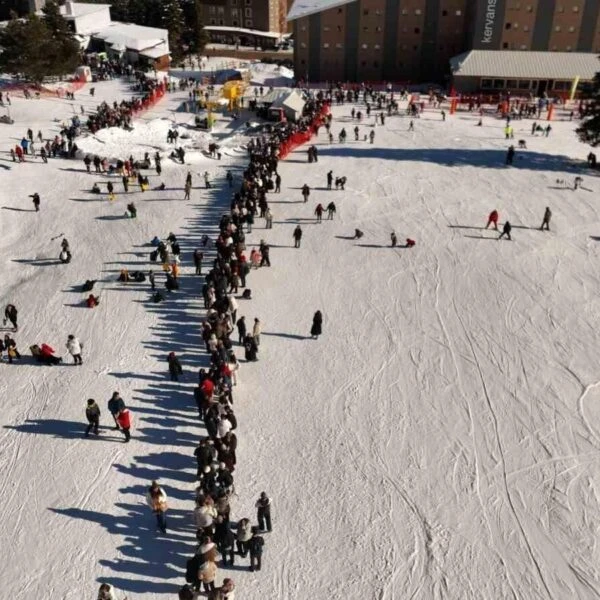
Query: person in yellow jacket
point(157, 501)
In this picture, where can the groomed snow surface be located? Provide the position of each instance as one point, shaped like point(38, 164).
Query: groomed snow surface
point(439, 441)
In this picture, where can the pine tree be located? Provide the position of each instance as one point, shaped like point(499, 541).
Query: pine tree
point(174, 22)
point(589, 130)
point(63, 49)
point(200, 35)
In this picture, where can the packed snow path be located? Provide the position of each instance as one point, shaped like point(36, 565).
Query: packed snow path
point(440, 440)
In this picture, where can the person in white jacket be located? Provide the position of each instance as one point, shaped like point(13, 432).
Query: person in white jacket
point(256, 331)
point(233, 307)
point(223, 427)
point(157, 501)
point(74, 347)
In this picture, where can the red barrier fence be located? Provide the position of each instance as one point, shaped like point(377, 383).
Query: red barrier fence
point(301, 137)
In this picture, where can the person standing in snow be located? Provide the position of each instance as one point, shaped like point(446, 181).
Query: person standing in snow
point(36, 201)
point(394, 239)
point(206, 180)
point(106, 592)
point(187, 189)
point(157, 501)
point(372, 136)
point(256, 331)
point(74, 347)
point(319, 212)
point(115, 406)
point(255, 547)
point(297, 236)
point(506, 231)
point(263, 512)
point(493, 219)
point(331, 210)
point(152, 279)
point(546, 221)
point(92, 414)
point(124, 421)
point(305, 192)
point(241, 327)
point(317, 325)
point(198, 256)
point(10, 314)
point(329, 179)
point(175, 368)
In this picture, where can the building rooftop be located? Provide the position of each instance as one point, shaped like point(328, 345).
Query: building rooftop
point(517, 64)
point(134, 37)
point(304, 8)
point(72, 10)
point(266, 34)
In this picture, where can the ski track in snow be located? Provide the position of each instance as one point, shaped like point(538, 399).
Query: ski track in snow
point(439, 441)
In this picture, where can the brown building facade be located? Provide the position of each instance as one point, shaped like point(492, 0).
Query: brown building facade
point(263, 15)
point(413, 40)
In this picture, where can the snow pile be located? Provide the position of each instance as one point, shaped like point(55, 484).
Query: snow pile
point(271, 75)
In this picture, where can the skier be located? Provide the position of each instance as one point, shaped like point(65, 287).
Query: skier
point(330, 211)
point(317, 325)
point(124, 421)
point(305, 192)
point(255, 547)
point(329, 179)
point(394, 239)
point(372, 136)
point(263, 514)
point(92, 414)
point(297, 236)
point(36, 201)
point(546, 221)
point(319, 212)
point(74, 347)
point(174, 366)
point(493, 219)
point(506, 231)
point(157, 501)
point(115, 406)
point(10, 314)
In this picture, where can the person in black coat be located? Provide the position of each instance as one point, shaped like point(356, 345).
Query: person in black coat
point(506, 231)
point(10, 314)
point(317, 325)
point(241, 327)
point(174, 366)
point(92, 414)
point(255, 547)
point(250, 348)
point(225, 540)
point(263, 512)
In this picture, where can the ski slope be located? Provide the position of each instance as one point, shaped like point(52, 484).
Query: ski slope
point(439, 441)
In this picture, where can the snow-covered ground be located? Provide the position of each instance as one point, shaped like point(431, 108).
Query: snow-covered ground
point(440, 440)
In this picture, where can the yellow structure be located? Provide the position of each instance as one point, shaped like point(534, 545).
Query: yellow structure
point(233, 90)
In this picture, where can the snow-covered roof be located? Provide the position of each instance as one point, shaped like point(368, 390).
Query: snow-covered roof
point(304, 8)
point(134, 37)
point(73, 10)
point(525, 65)
point(295, 102)
point(242, 31)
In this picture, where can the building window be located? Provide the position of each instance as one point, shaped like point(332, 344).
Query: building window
point(415, 47)
point(529, 8)
point(338, 45)
point(212, 10)
point(441, 47)
point(562, 85)
point(404, 11)
point(303, 28)
point(378, 29)
point(444, 13)
point(364, 46)
point(458, 13)
point(365, 29)
point(417, 11)
point(221, 10)
point(486, 84)
point(525, 28)
point(568, 48)
point(249, 23)
point(523, 47)
point(498, 84)
point(221, 22)
point(248, 12)
point(557, 28)
point(339, 28)
point(234, 12)
point(213, 21)
point(571, 29)
point(234, 23)
point(247, 2)
point(524, 84)
point(378, 12)
point(576, 9)
point(377, 47)
point(326, 28)
point(560, 9)
point(554, 48)
point(325, 45)
point(366, 12)
point(339, 11)
point(404, 47)
point(504, 45)
point(302, 62)
point(375, 63)
point(507, 26)
point(515, 26)
point(233, 2)
point(302, 45)
point(404, 29)
point(417, 30)
point(517, 5)
point(364, 63)
point(512, 84)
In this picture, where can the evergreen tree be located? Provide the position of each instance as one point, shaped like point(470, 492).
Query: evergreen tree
point(589, 130)
point(174, 22)
point(64, 50)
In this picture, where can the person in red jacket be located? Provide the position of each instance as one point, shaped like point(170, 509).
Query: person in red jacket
point(493, 219)
point(47, 355)
point(92, 301)
point(124, 421)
